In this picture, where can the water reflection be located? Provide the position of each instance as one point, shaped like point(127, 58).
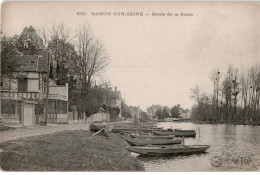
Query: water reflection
point(237, 147)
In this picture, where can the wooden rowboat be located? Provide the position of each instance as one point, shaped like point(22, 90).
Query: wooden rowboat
point(182, 130)
point(129, 130)
point(168, 150)
point(96, 127)
point(175, 133)
point(163, 133)
point(142, 142)
point(150, 136)
point(184, 134)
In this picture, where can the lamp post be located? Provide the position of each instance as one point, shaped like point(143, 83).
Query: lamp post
point(47, 93)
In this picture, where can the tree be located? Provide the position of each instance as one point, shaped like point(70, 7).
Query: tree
point(57, 40)
point(254, 91)
point(203, 108)
point(195, 94)
point(63, 62)
point(126, 111)
point(244, 89)
point(166, 111)
point(159, 114)
point(8, 51)
point(215, 77)
point(29, 42)
point(92, 59)
point(175, 111)
point(230, 90)
point(234, 90)
point(144, 117)
point(151, 110)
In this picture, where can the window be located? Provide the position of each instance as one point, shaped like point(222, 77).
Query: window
point(57, 107)
point(22, 85)
point(39, 109)
point(63, 107)
point(52, 107)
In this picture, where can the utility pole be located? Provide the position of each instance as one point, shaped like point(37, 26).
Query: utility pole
point(217, 94)
point(107, 103)
point(47, 94)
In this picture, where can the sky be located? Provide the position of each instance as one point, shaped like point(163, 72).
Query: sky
point(155, 59)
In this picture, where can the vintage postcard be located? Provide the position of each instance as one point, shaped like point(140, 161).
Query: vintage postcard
point(130, 86)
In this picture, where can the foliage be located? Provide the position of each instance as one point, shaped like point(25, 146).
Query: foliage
point(64, 60)
point(144, 117)
point(166, 112)
point(29, 42)
point(86, 101)
point(8, 51)
point(126, 111)
point(92, 58)
point(175, 111)
point(235, 100)
point(159, 114)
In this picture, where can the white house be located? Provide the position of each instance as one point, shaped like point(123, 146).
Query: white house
point(23, 96)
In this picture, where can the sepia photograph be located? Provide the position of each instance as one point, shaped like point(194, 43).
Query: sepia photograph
point(130, 86)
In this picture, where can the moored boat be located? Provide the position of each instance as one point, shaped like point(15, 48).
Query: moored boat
point(168, 150)
point(184, 130)
point(129, 130)
point(95, 127)
point(142, 142)
point(175, 133)
point(150, 136)
point(184, 134)
point(163, 132)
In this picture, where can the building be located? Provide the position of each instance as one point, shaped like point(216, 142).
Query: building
point(24, 95)
point(115, 101)
point(112, 98)
point(185, 114)
point(101, 115)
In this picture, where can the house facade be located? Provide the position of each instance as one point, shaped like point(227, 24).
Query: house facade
point(115, 100)
point(23, 97)
point(101, 115)
point(185, 114)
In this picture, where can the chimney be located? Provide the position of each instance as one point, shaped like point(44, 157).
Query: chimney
point(115, 88)
point(106, 85)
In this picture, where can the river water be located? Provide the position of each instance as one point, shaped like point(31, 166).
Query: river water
point(233, 148)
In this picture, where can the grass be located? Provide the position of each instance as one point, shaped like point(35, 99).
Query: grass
point(68, 151)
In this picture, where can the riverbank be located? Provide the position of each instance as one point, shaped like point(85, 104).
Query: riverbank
point(67, 151)
point(228, 122)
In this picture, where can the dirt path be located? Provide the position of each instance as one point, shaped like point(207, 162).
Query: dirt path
point(23, 132)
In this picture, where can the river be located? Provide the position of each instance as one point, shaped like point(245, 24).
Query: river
point(233, 148)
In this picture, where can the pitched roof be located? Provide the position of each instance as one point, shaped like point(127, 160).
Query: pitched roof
point(31, 63)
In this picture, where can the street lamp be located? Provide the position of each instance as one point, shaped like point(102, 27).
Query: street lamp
point(47, 93)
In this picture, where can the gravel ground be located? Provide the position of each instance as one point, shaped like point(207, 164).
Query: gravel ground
point(23, 132)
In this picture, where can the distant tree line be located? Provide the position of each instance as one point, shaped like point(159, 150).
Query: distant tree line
point(134, 112)
point(235, 98)
point(162, 112)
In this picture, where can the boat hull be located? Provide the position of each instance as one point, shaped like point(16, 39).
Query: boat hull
point(129, 130)
point(168, 150)
point(175, 133)
point(143, 142)
point(181, 130)
point(96, 127)
point(150, 136)
point(184, 134)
